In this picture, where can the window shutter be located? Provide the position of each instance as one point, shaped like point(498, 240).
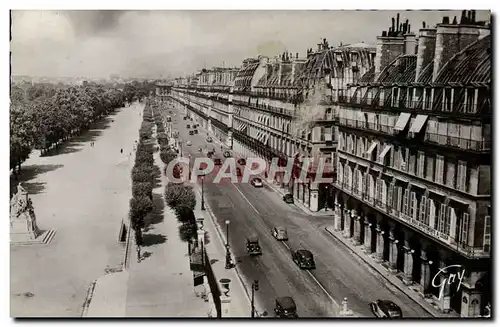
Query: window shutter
point(406, 201)
point(448, 220)
point(399, 199)
point(413, 211)
point(487, 234)
point(384, 192)
point(423, 209)
point(389, 194)
point(464, 228)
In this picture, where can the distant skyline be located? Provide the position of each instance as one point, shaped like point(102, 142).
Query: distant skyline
point(97, 44)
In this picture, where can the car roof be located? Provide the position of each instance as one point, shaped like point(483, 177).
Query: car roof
point(388, 305)
point(286, 302)
point(305, 253)
point(252, 238)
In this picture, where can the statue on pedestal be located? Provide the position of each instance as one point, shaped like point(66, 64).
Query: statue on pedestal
point(22, 215)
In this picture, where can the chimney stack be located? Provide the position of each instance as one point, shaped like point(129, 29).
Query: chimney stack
point(426, 47)
point(410, 43)
point(389, 47)
point(451, 39)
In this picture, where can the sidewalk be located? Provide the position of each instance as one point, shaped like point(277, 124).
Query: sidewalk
point(411, 291)
point(215, 247)
point(162, 285)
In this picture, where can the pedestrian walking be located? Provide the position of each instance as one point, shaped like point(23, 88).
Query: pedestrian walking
point(138, 249)
point(121, 150)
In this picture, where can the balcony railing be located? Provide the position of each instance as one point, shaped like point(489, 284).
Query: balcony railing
point(458, 142)
point(387, 129)
point(388, 209)
point(265, 107)
point(421, 104)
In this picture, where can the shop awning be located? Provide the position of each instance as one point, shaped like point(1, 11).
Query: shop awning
point(385, 151)
point(418, 123)
point(402, 121)
point(371, 148)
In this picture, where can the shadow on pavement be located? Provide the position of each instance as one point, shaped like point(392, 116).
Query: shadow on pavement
point(28, 173)
point(77, 142)
point(153, 239)
point(157, 215)
point(156, 177)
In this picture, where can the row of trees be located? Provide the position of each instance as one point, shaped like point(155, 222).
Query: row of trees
point(44, 115)
point(181, 198)
point(141, 204)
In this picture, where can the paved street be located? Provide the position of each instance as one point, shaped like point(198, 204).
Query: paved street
point(338, 274)
point(83, 193)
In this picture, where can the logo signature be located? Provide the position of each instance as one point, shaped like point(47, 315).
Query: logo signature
point(452, 278)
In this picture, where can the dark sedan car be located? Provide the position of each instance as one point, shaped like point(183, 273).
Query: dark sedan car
point(257, 182)
point(288, 198)
point(386, 309)
point(242, 161)
point(304, 259)
point(227, 154)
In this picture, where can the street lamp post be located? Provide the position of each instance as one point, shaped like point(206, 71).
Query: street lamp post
point(326, 198)
point(255, 287)
point(228, 254)
point(202, 193)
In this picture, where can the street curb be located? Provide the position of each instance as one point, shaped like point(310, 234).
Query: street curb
point(222, 240)
point(88, 299)
point(380, 274)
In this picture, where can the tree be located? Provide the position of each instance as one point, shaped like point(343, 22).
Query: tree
point(142, 174)
point(140, 207)
point(187, 232)
point(167, 156)
point(142, 189)
point(185, 214)
point(179, 195)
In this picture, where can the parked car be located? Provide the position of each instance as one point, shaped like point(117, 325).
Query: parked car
point(304, 259)
point(217, 162)
point(288, 198)
point(253, 246)
point(195, 131)
point(189, 143)
point(227, 154)
point(386, 309)
point(285, 307)
point(280, 233)
point(257, 182)
point(185, 118)
point(191, 132)
point(241, 161)
point(188, 126)
point(209, 139)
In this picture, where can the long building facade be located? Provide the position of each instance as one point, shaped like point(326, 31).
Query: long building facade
point(406, 127)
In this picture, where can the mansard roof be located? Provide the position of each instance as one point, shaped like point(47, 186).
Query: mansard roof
point(470, 66)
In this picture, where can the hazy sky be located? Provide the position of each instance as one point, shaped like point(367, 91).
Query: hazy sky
point(155, 43)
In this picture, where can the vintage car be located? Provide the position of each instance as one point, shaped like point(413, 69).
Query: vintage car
point(195, 131)
point(285, 307)
point(280, 233)
point(386, 309)
point(188, 126)
point(191, 132)
point(227, 154)
point(304, 259)
point(253, 247)
point(209, 139)
point(257, 182)
point(288, 198)
point(217, 162)
point(241, 161)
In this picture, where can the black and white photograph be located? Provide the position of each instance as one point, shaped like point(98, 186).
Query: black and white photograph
point(256, 164)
